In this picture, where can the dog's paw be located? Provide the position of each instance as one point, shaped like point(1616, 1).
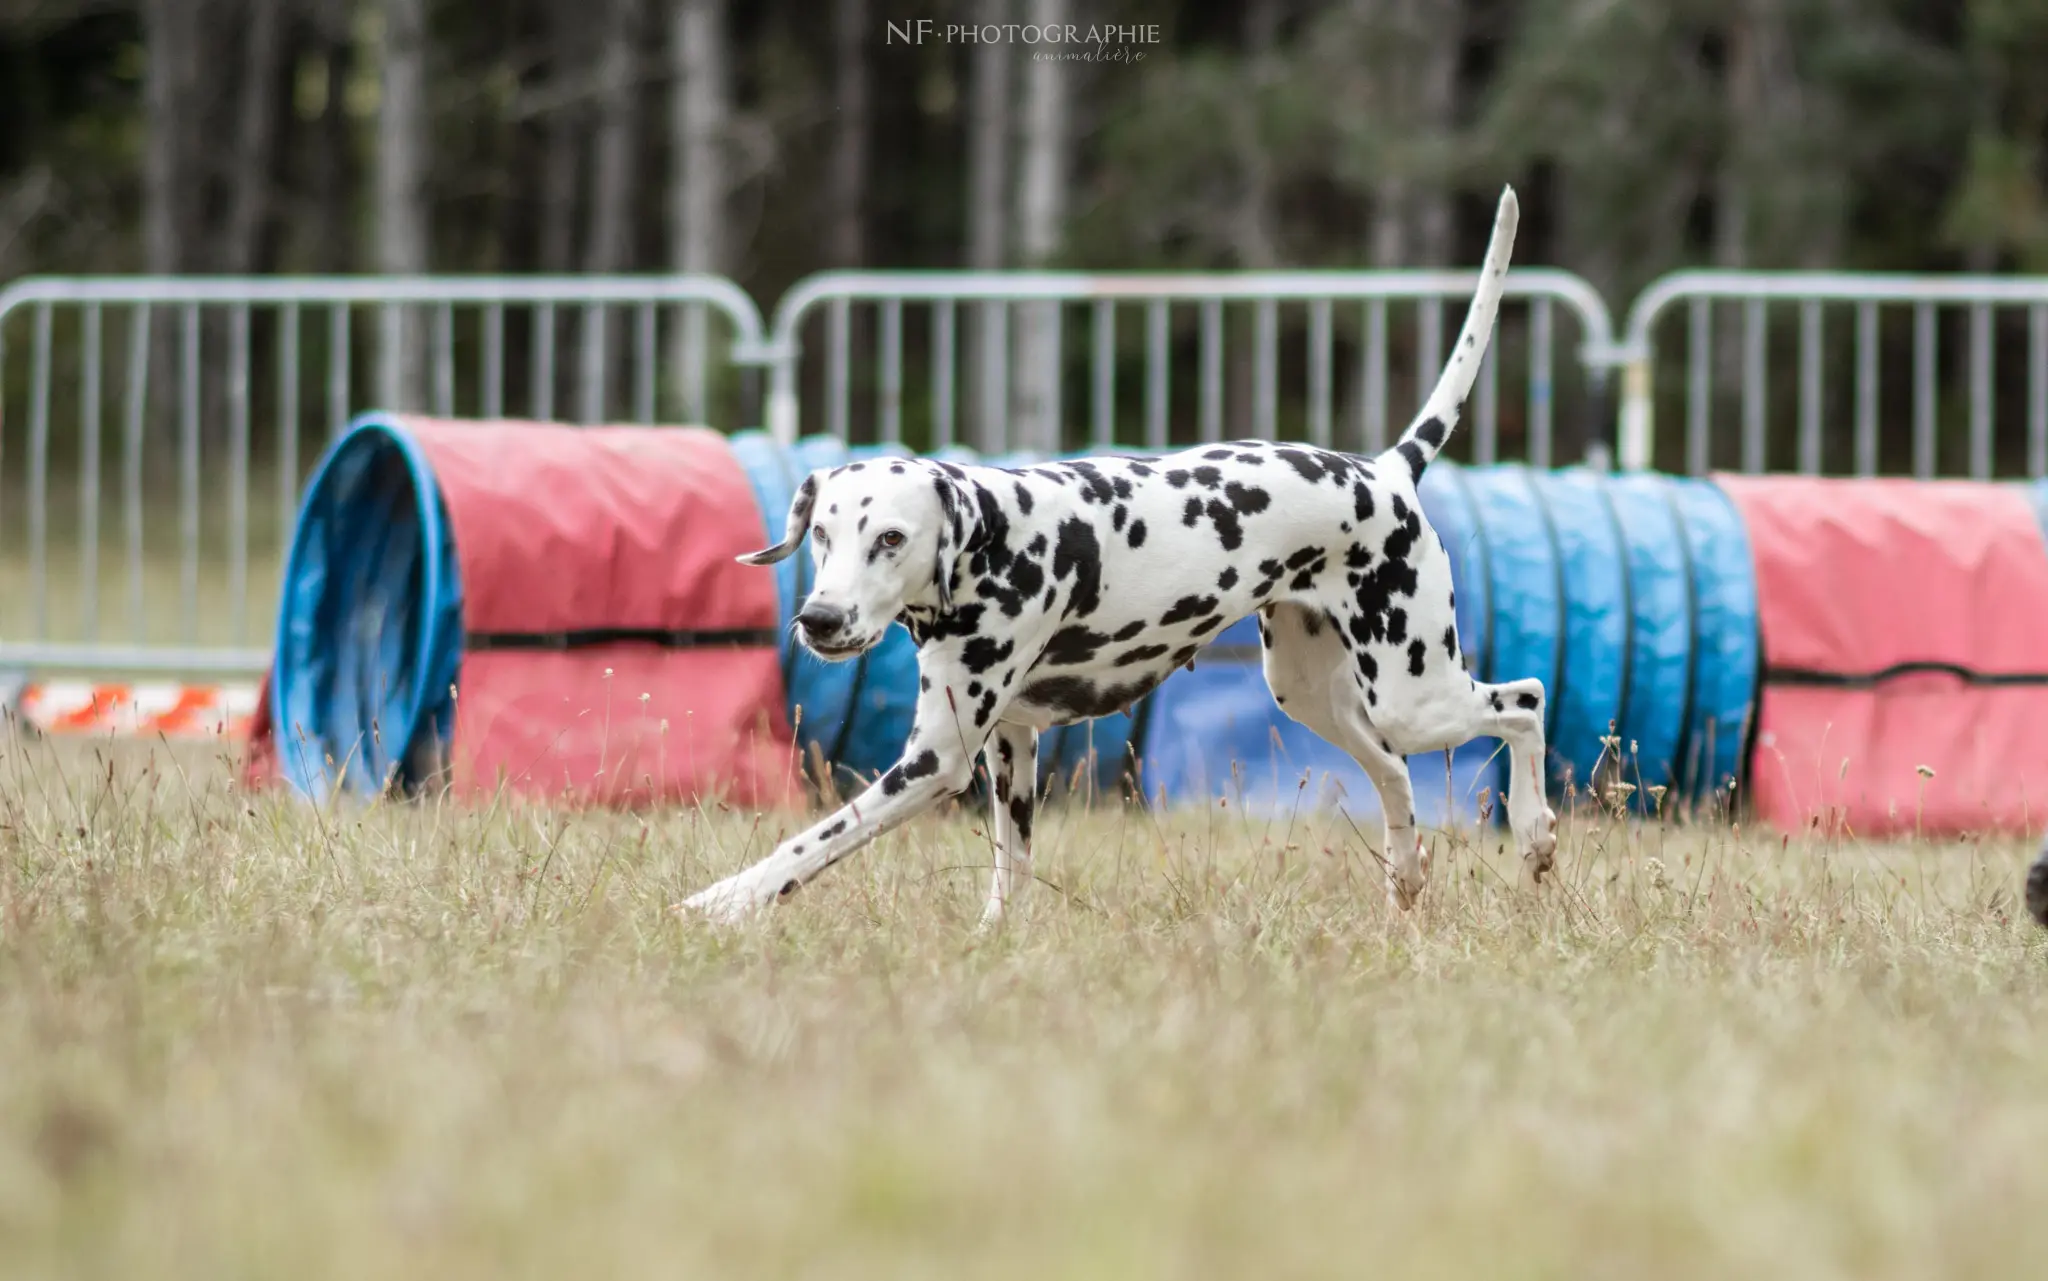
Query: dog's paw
point(1539, 849)
point(1403, 889)
point(729, 902)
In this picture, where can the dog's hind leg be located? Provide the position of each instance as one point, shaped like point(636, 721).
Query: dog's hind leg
point(1312, 673)
point(1012, 757)
point(1513, 712)
point(1441, 713)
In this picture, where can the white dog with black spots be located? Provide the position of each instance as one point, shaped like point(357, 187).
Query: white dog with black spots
point(1049, 594)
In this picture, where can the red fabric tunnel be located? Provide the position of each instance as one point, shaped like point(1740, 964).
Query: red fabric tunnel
point(1905, 638)
point(566, 537)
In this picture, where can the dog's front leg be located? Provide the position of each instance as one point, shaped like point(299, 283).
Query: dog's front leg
point(1013, 783)
point(938, 762)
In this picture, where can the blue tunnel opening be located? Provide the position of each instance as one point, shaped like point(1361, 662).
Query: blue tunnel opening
point(369, 631)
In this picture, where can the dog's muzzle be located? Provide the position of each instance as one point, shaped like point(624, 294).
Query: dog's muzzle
point(827, 631)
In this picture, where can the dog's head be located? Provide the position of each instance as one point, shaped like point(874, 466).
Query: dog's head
point(885, 535)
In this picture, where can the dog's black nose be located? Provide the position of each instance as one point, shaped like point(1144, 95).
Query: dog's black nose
point(819, 621)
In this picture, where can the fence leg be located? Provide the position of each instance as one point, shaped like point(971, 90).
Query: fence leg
point(1634, 446)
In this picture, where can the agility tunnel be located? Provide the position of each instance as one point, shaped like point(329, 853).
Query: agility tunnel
point(510, 604)
point(557, 610)
point(1905, 628)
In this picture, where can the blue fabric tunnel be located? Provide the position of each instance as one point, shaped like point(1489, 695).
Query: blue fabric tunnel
point(369, 632)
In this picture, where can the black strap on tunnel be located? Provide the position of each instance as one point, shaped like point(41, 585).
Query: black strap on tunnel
point(1809, 677)
point(590, 637)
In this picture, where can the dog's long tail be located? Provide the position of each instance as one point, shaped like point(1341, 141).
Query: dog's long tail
point(1432, 426)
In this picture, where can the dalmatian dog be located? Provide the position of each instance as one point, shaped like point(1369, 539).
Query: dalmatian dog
point(1049, 594)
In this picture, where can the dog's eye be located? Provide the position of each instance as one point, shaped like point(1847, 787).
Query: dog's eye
point(892, 539)
point(818, 532)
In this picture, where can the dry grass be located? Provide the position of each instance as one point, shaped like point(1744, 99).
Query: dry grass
point(243, 1039)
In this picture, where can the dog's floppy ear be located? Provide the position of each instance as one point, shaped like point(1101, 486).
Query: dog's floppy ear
point(793, 530)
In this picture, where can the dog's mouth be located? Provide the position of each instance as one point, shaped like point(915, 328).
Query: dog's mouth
point(839, 652)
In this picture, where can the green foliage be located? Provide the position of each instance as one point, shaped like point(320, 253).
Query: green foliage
point(1900, 134)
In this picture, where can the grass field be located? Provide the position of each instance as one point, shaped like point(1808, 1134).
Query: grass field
point(241, 1038)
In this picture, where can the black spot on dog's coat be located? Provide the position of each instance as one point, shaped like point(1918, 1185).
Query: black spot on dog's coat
point(1072, 646)
point(1246, 500)
point(1077, 554)
point(1187, 607)
point(1077, 698)
point(983, 652)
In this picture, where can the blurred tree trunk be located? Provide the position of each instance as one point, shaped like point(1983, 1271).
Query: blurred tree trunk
point(1043, 173)
point(1418, 43)
point(988, 167)
point(1779, 190)
point(1412, 47)
point(254, 135)
point(1441, 34)
point(402, 140)
point(1253, 235)
point(609, 245)
point(847, 185)
point(564, 141)
point(561, 168)
point(172, 226)
point(334, 247)
point(850, 148)
point(1732, 181)
point(700, 111)
point(1740, 115)
point(170, 43)
point(1777, 200)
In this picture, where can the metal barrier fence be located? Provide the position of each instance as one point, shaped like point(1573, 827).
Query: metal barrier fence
point(213, 381)
point(1989, 310)
point(1329, 328)
point(218, 379)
